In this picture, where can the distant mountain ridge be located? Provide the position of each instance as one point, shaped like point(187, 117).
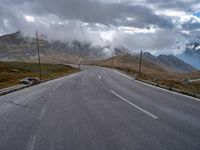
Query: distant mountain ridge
point(151, 63)
point(192, 54)
point(169, 62)
point(15, 46)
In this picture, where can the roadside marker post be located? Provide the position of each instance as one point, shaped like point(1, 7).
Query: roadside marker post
point(140, 65)
point(38, 51)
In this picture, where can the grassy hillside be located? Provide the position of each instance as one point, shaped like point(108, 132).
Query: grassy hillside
point(129, 61)
point(12, 72)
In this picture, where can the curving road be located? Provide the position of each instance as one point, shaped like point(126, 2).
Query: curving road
point(98, 109)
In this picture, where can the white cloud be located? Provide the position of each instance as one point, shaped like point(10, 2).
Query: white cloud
point(151, 25)
point(132, 30)
point(107, 36)
point(29, 18)
point(172, 13)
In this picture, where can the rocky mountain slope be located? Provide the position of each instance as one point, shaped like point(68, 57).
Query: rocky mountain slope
point(169, 62)
point(162, 63)
point(17, 47)
point(192, 54)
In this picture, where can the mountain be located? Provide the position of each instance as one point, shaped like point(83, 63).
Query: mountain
point(15, 46)
point(18, 47)
point(161, 62)
point(191, 54)
point(175, 63)
point(131, 61)
point(11, 39)
point(169, 62)
point(121, 50)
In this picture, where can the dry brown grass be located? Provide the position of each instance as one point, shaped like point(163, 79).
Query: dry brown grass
point(12, 72)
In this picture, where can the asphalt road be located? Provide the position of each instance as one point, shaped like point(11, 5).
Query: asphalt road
point(98, 109)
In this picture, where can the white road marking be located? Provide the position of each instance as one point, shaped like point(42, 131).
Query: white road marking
point(176, 93)
point(42, 112)
point(31, 143)
point(197, 99)
point(132, 104)
point(99, 77)
point(125, 75)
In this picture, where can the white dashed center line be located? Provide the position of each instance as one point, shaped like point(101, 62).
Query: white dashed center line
point(42, 112)
point(99, 77)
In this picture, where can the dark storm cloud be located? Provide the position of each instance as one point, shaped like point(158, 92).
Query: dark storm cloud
point(104, 13)
point(101, 20)
point(183, 5)
point(9, 16)
point(160, 21)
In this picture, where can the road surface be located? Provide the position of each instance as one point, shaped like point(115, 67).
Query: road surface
point(98, 109)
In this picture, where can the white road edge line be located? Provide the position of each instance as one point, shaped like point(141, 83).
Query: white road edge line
point(31, 143)
point(137, 107)
point(125, 75)
point(176, 93)
point(99, 77)
point(196, 99)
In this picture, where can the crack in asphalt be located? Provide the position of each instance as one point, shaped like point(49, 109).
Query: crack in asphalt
point(17, 104)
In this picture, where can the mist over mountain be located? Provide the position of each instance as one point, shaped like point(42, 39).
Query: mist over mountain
point(192, 54)
point(16, 46)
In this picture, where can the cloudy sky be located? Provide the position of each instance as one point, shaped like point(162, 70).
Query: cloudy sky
point(158, 26)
